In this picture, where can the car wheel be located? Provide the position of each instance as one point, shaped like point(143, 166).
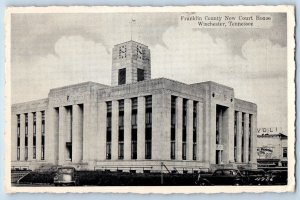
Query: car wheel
point(237, 184)
point(202, 183)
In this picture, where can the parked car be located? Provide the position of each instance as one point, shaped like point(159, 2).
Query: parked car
point(278, 177)
point(222, 177)
point(65, 176)
point(255, 176)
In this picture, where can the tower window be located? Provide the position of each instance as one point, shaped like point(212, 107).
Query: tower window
point(140, 75)
point(122, 76)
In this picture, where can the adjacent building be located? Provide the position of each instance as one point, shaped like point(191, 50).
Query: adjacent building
point(137, 124)
point(272, 148)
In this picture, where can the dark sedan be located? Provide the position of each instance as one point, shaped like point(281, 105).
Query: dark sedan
point(222, 177)
point(255, 176)
point(278, 177)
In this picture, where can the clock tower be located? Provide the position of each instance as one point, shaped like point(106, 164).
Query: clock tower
point(130, 63)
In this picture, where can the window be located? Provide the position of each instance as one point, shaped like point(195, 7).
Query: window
point(121, 144)
point(148, 111)
point(148, 131)
point(34, 123)
point(43, 137)
point(235, 136)
point(108, 120)
point(134, 118)
point(121, 105)
point(184, 130)
point(148, 101)
point(43, 122)
point(195, 130)
point(26, 152)
point(121, 120)
point(34, 152)
point(18, 153)
point(250, 139)
point(108, 106)
point(122, 76)
point(173, 128)
point(194, 151)
point(108, 150)
point(43, 148)
point(140, 74)
point(242, 132)
point(26, 137)
point(108, 130)
point(183, 150)
point(121, 150)
point(134, 103)
point(121, 113)
point(26, 124)
point(148, 140)
point(133, 143)
point(43, 153)
point(18, 137)
point(172, 149)
point(148, 117)
point(173, 143)
point(284, 152)
point(18, 125)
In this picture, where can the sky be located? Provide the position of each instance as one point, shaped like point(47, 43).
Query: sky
point(53, 50)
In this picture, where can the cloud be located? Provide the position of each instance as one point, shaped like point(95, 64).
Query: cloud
point(258, 75)
point(75, 60)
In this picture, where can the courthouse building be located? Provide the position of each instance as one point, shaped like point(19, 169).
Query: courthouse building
point(137, 123)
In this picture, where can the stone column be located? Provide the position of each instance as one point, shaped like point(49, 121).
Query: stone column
point(141, 128)
point(254, 138)
point(228, 135)
point(127, 129)
point(22, 137)
point(212, 138)
point(14, 136)
point(92, 142)
point(86, 132)
point(30, 136)
point(200, 133)
point(207, 131)
point(231, 135)
point(161, 126)
point(246, 138)
point(189, 128)
point(77, 134)
point(178, 131)
point(51, 134)
point(239, 137)
point(38, 135)
point(62, 135)
point(102, 113)
point(114, 130)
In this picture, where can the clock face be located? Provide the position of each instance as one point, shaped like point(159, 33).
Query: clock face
point(122, 52)
point(140, 52)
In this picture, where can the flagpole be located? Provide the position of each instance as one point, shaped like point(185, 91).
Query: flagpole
point(131, 22)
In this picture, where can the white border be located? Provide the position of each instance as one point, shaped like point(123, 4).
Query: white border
point(158, 189)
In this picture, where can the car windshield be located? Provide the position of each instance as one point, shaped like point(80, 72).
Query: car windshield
point(65, 170)
point(230, 172)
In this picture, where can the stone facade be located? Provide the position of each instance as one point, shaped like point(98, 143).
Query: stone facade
point(139, 125)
